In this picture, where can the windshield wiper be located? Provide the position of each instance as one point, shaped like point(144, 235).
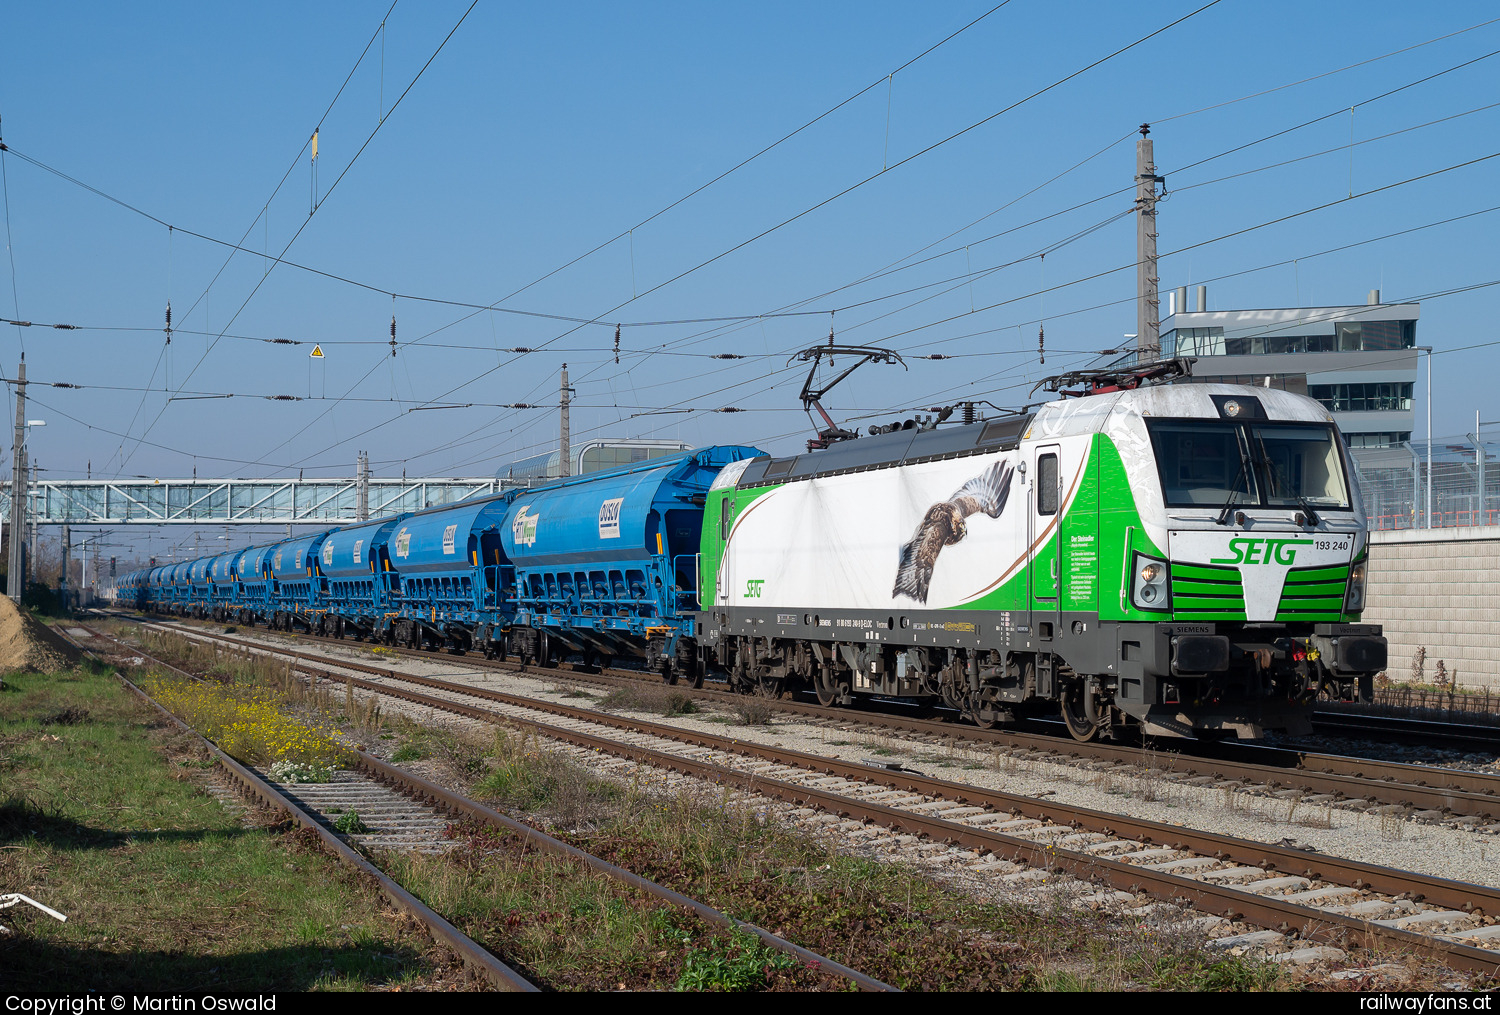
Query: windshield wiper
point(1234, 492)
point(1275, 491)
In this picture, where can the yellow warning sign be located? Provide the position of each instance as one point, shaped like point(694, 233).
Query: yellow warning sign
point(317, 352)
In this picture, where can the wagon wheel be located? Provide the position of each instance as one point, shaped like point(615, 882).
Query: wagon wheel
point(668, 671)
point(1071, 701)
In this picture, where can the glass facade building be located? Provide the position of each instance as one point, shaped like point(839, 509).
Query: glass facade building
point(587, 457)
point(1359, 361)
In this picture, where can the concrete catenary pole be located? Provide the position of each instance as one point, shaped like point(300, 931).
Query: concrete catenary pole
point(31, 515)
point(362, 487)
point(564, 449)
point(15, 582)
point(1148, 302)
point(67, 556)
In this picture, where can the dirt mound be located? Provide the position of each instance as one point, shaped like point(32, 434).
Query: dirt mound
point(28, 645)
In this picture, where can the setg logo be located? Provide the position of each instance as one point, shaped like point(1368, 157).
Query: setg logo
point(753, 587)
point(1262, 551)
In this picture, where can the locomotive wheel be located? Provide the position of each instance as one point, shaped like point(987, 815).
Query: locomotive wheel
point(830, 692)
point(982, 714)
point(770, 687)
point(1080, 726)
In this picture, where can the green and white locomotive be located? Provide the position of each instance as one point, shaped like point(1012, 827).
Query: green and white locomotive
point(1179, 559)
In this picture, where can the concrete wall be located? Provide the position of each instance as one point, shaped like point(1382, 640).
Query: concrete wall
point(1439, 588)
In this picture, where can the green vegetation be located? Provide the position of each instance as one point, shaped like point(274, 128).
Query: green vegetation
point(738, 962)
point(572, 929)
point(165, 889)
point(407, 752)
point(350, 824)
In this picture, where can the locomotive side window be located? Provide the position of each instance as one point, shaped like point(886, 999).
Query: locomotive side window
point(1046, 485)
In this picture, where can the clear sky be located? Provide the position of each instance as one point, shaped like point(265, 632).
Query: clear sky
point(541, 132)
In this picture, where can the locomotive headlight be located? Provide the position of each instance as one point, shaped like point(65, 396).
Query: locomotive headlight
point(1354, 599)
point(1148, 588)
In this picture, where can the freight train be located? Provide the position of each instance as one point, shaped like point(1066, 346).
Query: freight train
point(1171, 559)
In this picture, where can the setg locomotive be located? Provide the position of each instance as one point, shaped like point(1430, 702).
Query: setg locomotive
point(1175, 560)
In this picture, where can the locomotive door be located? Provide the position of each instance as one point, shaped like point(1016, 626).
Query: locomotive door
point(1045, 542)
point(724, 580)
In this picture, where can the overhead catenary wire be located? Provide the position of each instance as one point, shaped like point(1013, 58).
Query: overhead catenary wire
point(263, 216)
point(326, 194)
point(853, 187)
point(751, 317)
point(581, 347)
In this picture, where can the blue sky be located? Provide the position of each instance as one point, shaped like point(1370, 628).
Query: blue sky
point(540, 132)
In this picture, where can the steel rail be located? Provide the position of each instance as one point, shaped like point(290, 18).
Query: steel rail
point(1312, 924)
point(1418, 786)
point(1409, 728)
point(430, 792)
point(1453, 894)
point(424, 791)
point(471, 952)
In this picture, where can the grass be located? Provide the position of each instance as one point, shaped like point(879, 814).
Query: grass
point(523, 777)
point(644, 697)
point(573, 931)
point(166, 890)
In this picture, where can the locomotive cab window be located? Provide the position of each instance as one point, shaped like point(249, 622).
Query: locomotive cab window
point(1205, 464)
point(1046, 485)
point(1301, 464)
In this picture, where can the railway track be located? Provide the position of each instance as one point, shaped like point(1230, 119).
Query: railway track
point(1277, 888)
point(1464, 798)
point(401, 811)
point(1407, 729)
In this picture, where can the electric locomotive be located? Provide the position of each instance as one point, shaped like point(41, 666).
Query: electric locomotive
point(1179, 560)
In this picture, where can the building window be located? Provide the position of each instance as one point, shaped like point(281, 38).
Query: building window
point(1376, 336)
point(1199, 341)
point(1295, 383)
point(1389, 439)
point(1363, 397)
point(1355, 336)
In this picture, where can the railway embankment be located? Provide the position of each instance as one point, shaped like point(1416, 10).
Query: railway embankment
point(169, 881)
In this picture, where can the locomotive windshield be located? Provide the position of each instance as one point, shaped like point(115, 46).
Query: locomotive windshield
point(1207, 463)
